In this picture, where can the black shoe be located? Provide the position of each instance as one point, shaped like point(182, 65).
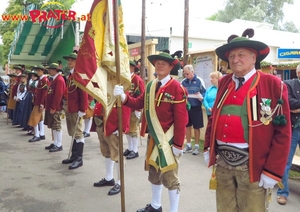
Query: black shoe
point(104, 182)
point(86, 134)
point(76, 163)
point(35, 139)
point(132, 155)
point(115, 190)
point(149, 208)
point(24, 129)
point(42, 137)
point(30, 133)
point(49, 147)
point(67, 161)
point(56, 149)
point(126, 153)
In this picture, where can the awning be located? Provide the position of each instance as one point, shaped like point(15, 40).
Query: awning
point(35, 44)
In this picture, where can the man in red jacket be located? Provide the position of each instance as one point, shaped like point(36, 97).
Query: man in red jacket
point(54, 103)
point(109, 144)
point(248, 135)
point(77, 103)
point(137, 89)
point(164, 103)
point(36, 117)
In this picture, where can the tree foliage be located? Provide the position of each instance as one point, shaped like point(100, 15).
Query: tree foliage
point(268, 11)
point(7, 28)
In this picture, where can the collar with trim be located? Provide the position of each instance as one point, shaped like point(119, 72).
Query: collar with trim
point(247, 77)
point(165, 80)
point(55, 76)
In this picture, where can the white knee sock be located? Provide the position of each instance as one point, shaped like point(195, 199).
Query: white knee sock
point(36, 131)
point(109, 168)
point(174, 200)
point(41, 126)
point(129, 139)
point(58, 137)
point(80, 140)
point(135, 144)
point(54, 141)
point(117, 167)
point(88, 125)
point(156, 196)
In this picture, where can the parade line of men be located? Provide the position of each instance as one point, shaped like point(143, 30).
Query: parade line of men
point(247, 137)
point(44, 95)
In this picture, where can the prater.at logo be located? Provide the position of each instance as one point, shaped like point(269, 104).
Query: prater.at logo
point(48, 11)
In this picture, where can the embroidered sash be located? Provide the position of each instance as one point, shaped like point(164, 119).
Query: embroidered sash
point(161, 156)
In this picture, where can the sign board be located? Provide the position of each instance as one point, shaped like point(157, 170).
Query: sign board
point(134, 52)
point(190, 45)
point(288, 53)
point(203, 65)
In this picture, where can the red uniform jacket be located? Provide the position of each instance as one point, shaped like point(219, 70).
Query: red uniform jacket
point(111, 124)
point(167, 113)
point(268, 144)
point(41, 91)
point(77, 99)
point(15, 87)
point(137, 86)
point(55, 94)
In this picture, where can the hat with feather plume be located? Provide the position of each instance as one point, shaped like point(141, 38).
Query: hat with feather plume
point(259, 48)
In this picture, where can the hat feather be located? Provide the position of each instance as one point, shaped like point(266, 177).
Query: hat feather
point(231, 37)
point(248, 32)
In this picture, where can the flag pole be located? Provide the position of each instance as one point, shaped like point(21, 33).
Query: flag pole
point(119, 103)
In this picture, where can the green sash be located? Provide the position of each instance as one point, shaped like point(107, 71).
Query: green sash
point(162, 155)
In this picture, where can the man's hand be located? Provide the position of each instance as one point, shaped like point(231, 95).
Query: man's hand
point(200, 97)
point(52, 111)
point(41, 108)
point(116, 132)
point(266, 182)
point(177, 152)
point(137, 114)
point(206, 157)
point(81, 114)
point(119, 91)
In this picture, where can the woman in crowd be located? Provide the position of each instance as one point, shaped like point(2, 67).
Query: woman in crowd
point(211, 92)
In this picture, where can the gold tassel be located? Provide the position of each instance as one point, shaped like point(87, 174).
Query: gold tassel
point(213, 179)
point(280, 185)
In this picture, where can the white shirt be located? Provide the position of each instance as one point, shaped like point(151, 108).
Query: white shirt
point(246, 77)
point(165, 80)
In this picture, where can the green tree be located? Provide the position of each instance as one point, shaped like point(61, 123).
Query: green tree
point(268, 11)
point(1, 57)
point(289, 26)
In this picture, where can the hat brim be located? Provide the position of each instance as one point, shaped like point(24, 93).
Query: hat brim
point(68, 57)
point(260, 48)
point(37, 68)
point(56, 69)
point(173, 61)
point(153, 58)
point(11, 75)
